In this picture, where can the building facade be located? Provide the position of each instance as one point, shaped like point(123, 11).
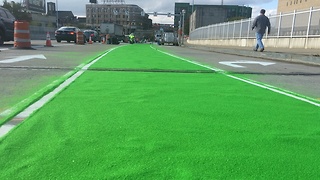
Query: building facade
point(204, 16)
point(209, 14)
point(131, 17)
point(285, 6)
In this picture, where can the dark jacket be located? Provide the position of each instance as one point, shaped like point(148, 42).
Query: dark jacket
point(260, 24)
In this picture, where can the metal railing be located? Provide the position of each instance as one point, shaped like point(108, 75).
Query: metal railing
point(303, 24)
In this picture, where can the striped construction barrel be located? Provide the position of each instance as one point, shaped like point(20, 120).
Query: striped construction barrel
point(80, 38)
point(22, 35)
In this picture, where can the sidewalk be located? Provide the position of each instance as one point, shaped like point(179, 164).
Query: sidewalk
point(303, 56)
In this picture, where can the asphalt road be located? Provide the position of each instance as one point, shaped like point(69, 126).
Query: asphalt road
point(42, 65)
point(24, 72)
point(298, 78)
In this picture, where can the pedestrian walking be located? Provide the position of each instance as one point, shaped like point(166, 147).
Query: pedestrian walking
point(260, 24)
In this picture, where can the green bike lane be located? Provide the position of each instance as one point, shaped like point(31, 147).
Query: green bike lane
point(141, 113)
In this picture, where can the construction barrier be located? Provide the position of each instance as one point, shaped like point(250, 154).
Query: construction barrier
point(22, 35)
point(90, 40)
point(48, 40)
point(80, 38)
point(103, 40)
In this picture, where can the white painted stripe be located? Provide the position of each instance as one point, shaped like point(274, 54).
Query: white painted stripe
point(45, 99)
point(275, 90)
point(29, 99)
point(288, 93)
point(21, 40)
point(21, 31)
point(5, 129)
point(28, 111)
point(192, 62)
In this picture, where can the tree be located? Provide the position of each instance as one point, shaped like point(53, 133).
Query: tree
point(19, 11)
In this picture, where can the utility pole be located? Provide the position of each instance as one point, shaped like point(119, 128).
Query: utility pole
point(222, 2)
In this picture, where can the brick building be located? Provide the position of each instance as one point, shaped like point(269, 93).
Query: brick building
point(130, 16)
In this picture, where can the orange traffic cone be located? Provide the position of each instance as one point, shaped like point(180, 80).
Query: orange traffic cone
point(48, 41)
point(90, 40)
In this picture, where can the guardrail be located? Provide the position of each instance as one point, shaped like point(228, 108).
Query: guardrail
point(300, 24)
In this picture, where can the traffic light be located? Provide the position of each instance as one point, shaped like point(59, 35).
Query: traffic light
point(169, 14)
point(155, 14)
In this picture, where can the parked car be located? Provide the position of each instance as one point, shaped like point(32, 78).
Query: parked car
point(67, 33)
point(93, 34)
point(6, 26)
point(169, 38)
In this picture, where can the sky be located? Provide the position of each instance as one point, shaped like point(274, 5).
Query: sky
point(166, 6)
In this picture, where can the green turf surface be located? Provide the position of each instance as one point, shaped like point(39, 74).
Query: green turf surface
point(152, 125)
point(141, 56)
point(18, 96)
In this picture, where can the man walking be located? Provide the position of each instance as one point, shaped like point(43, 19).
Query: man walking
point(260, 24)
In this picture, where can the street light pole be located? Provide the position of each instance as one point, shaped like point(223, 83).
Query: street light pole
point(183, 12)
point(57, 16)
point(179, 31)
point(192, 6)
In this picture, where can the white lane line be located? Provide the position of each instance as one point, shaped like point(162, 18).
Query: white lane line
point(5, 129)
point(192, 62)
point(274, 90)
point(45, 99)
point(17, 106)
point(288, 93)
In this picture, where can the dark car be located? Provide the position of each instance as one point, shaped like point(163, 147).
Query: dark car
point(93, 34)
point(67, 33)
point(6, 26)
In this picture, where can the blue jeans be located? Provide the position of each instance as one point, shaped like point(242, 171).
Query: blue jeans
point(259, 44)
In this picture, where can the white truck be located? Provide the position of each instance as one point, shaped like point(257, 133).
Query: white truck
point(114, 32)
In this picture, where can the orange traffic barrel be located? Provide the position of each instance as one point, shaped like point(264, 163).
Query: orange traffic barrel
point(80, 38)
point(22, 35)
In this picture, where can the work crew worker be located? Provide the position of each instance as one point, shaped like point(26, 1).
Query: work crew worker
point(260, 24)
point(131, 38)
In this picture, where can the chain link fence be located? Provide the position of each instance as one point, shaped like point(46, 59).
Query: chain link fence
point(40, 32)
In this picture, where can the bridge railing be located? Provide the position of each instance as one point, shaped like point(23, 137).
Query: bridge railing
point(302, 24)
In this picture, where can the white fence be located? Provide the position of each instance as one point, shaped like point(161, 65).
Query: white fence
point(302, 24)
